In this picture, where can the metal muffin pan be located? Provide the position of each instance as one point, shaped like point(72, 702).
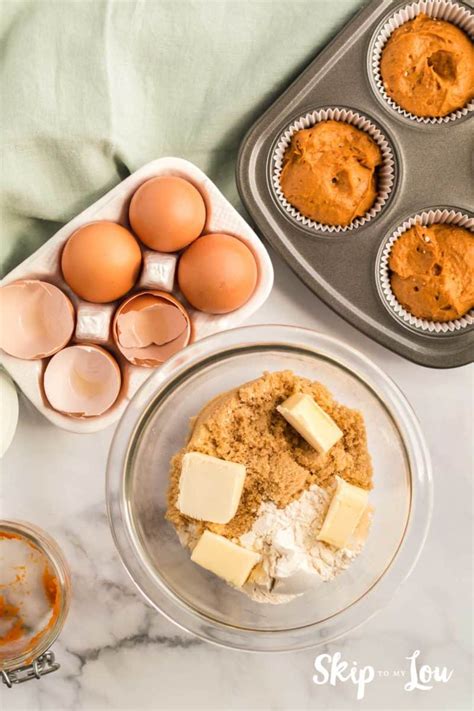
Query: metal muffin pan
point(434, 169)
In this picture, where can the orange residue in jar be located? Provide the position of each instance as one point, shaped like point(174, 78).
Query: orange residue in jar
point(50, 583)
point(11, 613)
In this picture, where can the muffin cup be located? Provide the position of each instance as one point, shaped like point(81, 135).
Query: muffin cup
point(453, 12)
point(429, 217)
point(386, 174)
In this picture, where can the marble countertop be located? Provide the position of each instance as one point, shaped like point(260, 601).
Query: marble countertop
point(116, 652)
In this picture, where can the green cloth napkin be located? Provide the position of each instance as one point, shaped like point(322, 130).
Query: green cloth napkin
point(90, 91)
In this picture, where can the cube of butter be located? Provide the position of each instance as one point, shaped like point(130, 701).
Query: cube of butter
point(224, 558)
point(210, 488)
point(345, 511)
point(310, 421)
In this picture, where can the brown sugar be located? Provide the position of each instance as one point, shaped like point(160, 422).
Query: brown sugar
point(244, 426)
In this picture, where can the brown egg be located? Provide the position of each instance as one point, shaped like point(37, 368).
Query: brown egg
point(167, 213)
point(101, 261)
point(217, 273)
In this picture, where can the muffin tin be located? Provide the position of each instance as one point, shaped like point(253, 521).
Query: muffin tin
point(93, 321)
point(432, 171)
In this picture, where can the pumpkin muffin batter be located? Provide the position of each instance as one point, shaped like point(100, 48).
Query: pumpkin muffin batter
point(330, 172)
point(243, 426)
point(427, 67)
point(433, 271)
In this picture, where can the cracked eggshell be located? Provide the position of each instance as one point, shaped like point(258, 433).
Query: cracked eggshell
point(36, 319)
point(82, 381)
point(151, 326)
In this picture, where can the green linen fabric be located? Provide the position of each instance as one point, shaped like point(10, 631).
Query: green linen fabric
point(90, 91)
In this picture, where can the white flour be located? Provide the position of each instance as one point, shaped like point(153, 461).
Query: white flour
point(293, 560)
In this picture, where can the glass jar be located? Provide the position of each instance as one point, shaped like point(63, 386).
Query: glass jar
point(24, 649)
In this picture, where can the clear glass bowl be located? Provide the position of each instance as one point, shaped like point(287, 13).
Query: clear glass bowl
point(156, 424)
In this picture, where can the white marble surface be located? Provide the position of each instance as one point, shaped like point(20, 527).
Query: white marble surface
point(118, 653)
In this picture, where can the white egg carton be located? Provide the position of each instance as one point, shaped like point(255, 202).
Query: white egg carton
point(93, 321)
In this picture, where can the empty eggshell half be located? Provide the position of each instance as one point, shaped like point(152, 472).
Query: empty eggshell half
point(82, 381)
point(151, 326)
point(36, 319)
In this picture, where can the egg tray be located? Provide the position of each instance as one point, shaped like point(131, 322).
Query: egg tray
point(93, 321)
point(432, 170)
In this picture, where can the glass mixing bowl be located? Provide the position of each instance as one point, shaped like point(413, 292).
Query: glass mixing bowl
point(156, 424)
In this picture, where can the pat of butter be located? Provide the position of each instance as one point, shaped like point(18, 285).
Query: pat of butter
point(310, 421)
point(345, 511)
point(210, 488)
point(224, 558)
point(363, 527)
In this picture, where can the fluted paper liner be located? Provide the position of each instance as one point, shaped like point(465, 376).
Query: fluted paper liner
point(446, 10)
point(385, 177)
point(428, 217)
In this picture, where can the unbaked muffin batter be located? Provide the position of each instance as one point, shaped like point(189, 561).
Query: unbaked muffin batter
point(433, 271)
point(330, 172)
point(427, 67)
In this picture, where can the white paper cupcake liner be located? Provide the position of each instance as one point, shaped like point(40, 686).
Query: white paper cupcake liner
point(457, 14)
point(385, 177)
point(429, 217)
